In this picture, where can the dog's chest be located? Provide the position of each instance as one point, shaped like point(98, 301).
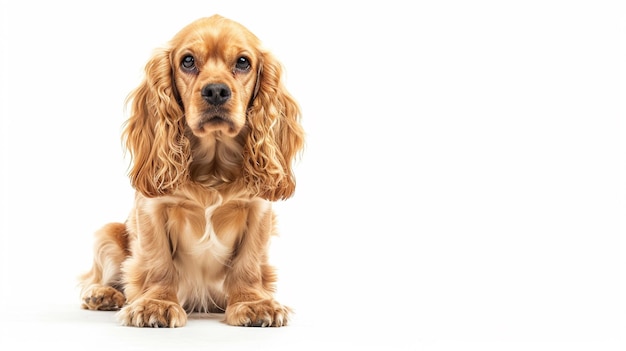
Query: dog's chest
point(201, 259)
point(200, 252)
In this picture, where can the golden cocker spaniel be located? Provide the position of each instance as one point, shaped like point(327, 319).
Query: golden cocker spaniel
point(212, 134)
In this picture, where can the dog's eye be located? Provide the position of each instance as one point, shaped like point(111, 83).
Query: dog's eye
point(188, 63)
point(242, 64)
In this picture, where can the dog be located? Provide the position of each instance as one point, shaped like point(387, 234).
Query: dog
point(213, 135)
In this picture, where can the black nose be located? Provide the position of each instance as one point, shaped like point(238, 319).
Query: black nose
point(216, 94)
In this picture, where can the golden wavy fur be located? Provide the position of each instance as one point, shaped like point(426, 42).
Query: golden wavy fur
point(212, 133)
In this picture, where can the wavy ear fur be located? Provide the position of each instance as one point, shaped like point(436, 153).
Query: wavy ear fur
point(275, 138)
point(154, 133)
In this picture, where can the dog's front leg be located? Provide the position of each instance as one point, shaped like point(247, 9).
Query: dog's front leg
point(250, 281)
point(151, 281)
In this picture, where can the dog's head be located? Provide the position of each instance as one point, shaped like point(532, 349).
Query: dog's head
point(215, 80)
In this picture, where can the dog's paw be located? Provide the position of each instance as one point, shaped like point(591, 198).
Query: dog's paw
point(104, 298)
point(153, 313)
point(263, 313)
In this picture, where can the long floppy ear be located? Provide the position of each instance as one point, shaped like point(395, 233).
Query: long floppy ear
point(154, 132)
point(275, 138)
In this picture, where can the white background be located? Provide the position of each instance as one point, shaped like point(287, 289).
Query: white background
point(462, 185)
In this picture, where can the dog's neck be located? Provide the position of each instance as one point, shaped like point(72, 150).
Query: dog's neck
point(216, 159)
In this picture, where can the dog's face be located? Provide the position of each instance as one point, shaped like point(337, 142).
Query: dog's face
point(213, 96)
point(215, 67)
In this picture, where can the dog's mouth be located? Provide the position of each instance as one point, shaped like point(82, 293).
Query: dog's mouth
point(211, 122)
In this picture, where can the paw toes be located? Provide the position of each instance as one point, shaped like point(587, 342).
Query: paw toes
point(153, 314)
point(258, 314)
point(104, 298)
point(258, 323)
